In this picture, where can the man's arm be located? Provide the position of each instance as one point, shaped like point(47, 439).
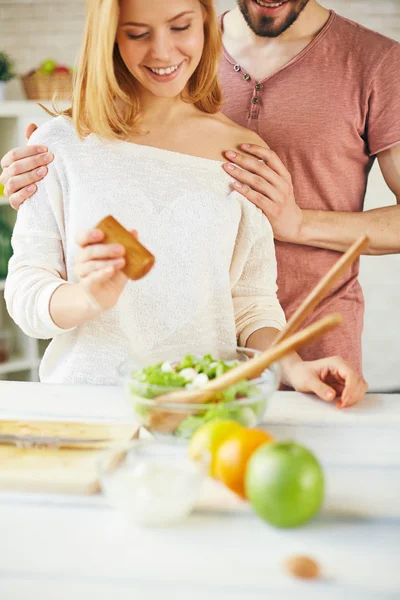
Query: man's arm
point(338, 230)
point(268, 185)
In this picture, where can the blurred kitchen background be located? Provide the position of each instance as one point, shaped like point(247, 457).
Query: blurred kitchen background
point(33, 31)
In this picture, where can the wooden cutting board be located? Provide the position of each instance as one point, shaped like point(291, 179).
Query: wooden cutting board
point(71, 469)
point(109, 432)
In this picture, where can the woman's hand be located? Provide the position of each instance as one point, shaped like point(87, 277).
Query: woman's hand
point(99, 268)
point(22, 169)
point(328, 378)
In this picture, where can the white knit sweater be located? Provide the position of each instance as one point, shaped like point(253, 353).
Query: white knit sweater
point(214, 280)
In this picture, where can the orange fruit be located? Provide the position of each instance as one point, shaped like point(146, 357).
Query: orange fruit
point(208, 438)
point(233, 454)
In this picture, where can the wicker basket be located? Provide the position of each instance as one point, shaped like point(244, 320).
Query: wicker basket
point(41, 86)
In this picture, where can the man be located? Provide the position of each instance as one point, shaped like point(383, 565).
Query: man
point(324, 93)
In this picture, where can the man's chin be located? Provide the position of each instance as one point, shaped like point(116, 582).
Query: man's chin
point(270, 26)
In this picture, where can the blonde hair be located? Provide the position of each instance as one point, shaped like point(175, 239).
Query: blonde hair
point(104, 100)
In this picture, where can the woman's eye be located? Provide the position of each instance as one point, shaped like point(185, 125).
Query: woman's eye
point(136, 37)
point(140, 36)
point(181, 28)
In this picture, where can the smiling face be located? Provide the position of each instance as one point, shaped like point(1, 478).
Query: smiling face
point(161, 43)
point(267, 18)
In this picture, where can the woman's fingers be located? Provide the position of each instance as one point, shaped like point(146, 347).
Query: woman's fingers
point(95, 257)
point(321, 389)
point(350, 399)
point(86, 268)
point(352, 383)
point(91, 236)
point(101, 276)
point(101, 251)
point(94, 236)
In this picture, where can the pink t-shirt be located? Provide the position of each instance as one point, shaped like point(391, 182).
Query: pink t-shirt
point(327, 114)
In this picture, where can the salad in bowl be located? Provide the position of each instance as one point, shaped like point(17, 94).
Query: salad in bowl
point(187, 368)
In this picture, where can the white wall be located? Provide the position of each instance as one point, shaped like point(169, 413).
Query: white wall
point(32, 30)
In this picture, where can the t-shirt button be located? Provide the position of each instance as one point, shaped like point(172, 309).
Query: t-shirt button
point(237, 68)
point(246, 76)
point(255, 100)
point(259, 87)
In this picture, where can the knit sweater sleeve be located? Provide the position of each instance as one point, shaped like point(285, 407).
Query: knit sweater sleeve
point(37, 267)
point(253, 276)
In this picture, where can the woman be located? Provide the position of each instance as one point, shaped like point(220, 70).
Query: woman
point(144, 142)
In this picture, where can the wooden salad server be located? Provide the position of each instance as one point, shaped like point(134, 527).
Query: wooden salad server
point(168, 419)
point(165, 421)
point(321, 289)
point(254, 367)
point(249, 369)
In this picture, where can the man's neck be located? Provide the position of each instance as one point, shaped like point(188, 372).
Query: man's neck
point(262, 56)
point(308, 24)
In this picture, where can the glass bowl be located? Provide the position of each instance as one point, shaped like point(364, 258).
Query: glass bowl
point(152, 483)
point(180, 421)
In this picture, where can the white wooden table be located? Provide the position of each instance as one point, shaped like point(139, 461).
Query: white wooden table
point(62, 548)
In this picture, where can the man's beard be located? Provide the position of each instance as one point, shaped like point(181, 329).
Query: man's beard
point(271, 26)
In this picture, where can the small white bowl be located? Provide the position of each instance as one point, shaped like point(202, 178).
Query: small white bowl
point(152, 483)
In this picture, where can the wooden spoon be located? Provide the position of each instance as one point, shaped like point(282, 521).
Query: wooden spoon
point(254, 367)
point(320, 290)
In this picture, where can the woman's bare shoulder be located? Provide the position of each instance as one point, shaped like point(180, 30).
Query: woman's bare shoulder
point(224, 134)
point(240, 134)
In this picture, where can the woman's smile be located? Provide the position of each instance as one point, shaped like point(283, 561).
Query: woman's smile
point(165, 74)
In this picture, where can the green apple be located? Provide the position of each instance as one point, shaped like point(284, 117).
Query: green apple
point(48, 66)
point(284, 483)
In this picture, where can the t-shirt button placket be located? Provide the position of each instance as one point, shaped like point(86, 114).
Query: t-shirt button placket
point(255, 107)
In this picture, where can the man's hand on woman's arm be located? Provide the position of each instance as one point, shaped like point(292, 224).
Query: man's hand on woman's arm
point(22, 169)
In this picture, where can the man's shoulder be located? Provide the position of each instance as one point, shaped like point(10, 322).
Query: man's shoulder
point(361, 41)
point(54, 133)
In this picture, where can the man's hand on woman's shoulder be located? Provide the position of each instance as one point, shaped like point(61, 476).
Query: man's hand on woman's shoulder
point(22, 169)
point(262, 178)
